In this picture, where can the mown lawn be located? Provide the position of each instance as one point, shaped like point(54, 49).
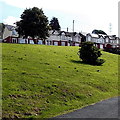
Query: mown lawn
point(44, 81)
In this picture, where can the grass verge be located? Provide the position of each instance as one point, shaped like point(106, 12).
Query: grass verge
point(44, 81)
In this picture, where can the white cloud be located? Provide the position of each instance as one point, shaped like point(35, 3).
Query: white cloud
point(66, 5)
point(99, 12)
point(10, 20)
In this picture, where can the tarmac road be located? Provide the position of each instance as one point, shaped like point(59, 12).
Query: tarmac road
point(104, 109)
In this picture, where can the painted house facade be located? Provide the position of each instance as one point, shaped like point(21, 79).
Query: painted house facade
point(57, 38)
point(102, 41)
point(9, 31)
point(62, 38)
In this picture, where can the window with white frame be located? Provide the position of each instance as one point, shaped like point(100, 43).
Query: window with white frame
point(14, 40)
point(89, 38)
point(62, 43)
point(40, 42)
point(117, 41)
point(63, 36)
point(107, 40)
point(56, 43)
point(101, 46)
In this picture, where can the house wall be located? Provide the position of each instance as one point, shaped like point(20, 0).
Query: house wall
point(60, 43)
point(58, 39)
point(21, 40)
point(10, 39)
point(6, 33)
point(62, 40)
point(95, 39)
point(102, 42)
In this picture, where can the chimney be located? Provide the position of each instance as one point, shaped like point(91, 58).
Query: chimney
point(67, 29)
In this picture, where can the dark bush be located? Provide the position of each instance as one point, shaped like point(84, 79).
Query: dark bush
point(113, 50)
point(89, 54)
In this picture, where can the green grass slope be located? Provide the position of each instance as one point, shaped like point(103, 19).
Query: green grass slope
point(44, 81)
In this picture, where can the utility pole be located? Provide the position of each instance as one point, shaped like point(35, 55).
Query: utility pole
point(72, 34)
point(73, 25)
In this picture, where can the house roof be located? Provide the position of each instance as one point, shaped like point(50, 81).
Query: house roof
point(93, 35)
point(70, 34)
point(83, 33)
point(111, 37)
point(10, 27)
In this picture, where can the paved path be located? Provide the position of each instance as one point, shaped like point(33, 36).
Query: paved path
point(104, 109)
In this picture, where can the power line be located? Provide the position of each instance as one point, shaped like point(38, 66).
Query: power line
point(110, 28)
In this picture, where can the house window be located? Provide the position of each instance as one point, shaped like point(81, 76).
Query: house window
point(48, 42)
point(113, 46)
point(63, 36)
point(31, 42)
point(89, 38)
point(21, 40)
point(117, 42)
point(14, 40)
point(94, 40)
point(62, 43)
point(107, 40)
point(56, 43)
point(111, 41)
point(101, 46)
point(39, 41)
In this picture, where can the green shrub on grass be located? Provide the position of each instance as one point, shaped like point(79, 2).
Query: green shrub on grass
point(89, 54)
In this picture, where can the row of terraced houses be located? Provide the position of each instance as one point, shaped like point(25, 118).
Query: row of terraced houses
point(8, 34)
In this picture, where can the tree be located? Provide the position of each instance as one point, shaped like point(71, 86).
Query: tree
point(33, 23)
point(99, 32)
point(89, 54)
point(2, 26)
point(54, 24)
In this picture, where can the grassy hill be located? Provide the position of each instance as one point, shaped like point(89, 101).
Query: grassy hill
point(44, 81)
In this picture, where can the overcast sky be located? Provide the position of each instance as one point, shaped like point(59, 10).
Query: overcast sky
point(88, 14)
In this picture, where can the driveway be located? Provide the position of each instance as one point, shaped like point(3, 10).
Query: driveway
point(104, 109)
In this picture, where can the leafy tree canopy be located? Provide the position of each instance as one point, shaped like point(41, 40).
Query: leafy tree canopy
point(54, 24)
point(2, 27)
point(99, 32)
point(33, 23)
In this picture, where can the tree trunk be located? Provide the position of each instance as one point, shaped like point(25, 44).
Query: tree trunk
point(35, 41)
point(44, 41)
